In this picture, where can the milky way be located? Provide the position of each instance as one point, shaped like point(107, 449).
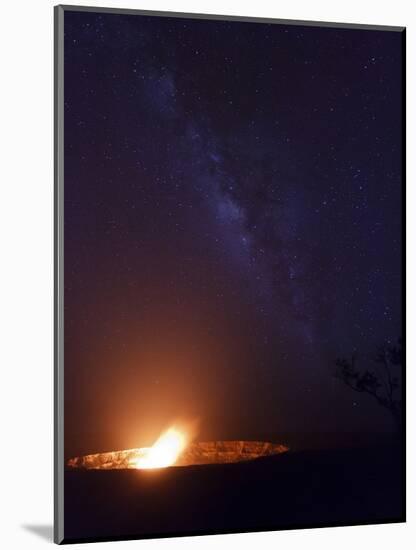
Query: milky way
point(237, 186)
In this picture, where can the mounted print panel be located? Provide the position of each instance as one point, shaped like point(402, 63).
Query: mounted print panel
point(229, 274)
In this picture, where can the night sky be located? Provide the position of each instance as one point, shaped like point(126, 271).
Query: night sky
point(233, 218)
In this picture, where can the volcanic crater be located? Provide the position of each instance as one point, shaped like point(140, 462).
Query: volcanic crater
point(209, 452)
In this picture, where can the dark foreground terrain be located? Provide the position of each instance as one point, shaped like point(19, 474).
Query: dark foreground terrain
point(295, 489)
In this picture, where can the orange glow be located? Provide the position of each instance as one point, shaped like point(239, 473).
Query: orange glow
point(164, 452)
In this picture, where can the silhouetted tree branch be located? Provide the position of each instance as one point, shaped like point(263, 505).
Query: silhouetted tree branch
point(383, 385)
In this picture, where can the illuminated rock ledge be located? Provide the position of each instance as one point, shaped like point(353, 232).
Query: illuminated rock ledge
point(211, 452)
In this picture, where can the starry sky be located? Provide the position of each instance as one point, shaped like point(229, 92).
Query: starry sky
point(233, 224)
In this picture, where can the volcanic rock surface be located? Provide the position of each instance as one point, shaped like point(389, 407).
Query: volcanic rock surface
point(210, 452)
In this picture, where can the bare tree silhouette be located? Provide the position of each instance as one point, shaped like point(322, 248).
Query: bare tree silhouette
point(383, 382)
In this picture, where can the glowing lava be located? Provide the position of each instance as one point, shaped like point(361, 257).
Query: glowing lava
point(164, 452)
point(175, 448)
